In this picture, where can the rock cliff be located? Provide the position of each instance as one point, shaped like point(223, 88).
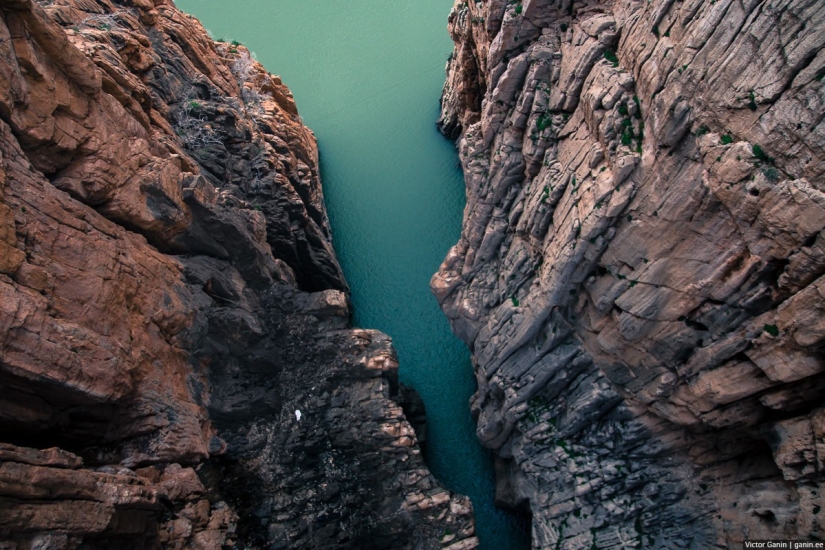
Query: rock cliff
point(177, 367)
point(640, 271)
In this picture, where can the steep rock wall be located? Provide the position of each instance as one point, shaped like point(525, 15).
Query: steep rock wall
point(640, 271)
point(177, 368)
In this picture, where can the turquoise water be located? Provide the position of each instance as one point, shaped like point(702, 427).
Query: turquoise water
point(367, 75)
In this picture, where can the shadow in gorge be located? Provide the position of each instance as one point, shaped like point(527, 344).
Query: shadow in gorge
point(369, 87)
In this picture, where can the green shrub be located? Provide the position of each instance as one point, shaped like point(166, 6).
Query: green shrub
point(610, 55)
point(627, 133)
point(761, 155)
point(771, 173)
point(727, 139)
point(543, 122)
point(773, 330)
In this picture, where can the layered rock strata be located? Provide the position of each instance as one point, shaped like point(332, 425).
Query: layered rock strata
point(640, 271)
point(177, 367)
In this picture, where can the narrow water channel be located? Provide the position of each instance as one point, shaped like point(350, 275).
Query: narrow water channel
point(367, 75)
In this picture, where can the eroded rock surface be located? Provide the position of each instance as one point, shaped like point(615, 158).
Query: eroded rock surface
point(177, 368)
point(640, 271)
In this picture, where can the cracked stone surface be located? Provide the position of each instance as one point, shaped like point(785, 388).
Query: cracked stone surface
point(640, 270)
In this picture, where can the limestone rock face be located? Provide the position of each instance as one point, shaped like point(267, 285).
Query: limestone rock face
point(640, 271)
point(177, 367)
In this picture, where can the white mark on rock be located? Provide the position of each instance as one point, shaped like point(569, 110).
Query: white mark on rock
point(297, 415)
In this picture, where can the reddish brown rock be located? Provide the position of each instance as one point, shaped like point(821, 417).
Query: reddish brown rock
point(100, 506)
point(169, 297)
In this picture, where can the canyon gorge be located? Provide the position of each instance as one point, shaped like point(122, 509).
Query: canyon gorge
point(640, 278)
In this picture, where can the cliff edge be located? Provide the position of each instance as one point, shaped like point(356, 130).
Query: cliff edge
point(640, 270)
point(177, 367)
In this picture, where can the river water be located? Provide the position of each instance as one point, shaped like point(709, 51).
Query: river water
point(367, 75)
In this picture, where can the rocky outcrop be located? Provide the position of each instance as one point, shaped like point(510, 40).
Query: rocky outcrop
point(640, 271)
point(48, 500)
point(176, 360)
